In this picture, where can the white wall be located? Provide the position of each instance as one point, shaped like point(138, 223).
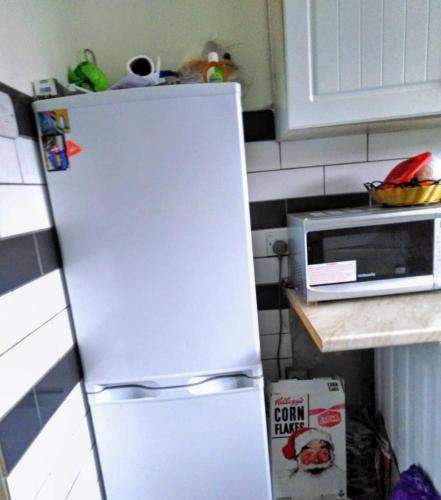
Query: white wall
point(35, 41)
point(117, 30)
point(41, 38)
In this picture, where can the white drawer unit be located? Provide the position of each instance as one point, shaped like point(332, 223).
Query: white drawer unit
point(349, 62)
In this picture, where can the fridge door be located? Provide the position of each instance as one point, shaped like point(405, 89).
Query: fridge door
point(153, 221)
point(207, 443)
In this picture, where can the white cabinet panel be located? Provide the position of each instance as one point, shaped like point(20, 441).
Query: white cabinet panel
point(325, 45)
point(394, 25)
point(349, 45)
point(371, 25)
point(417, 28)
point(433, 56)
point(342, 63)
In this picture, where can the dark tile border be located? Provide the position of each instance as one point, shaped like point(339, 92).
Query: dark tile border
point(268, 297)
point(259, 125)
point(26, 257)
point(23, 423)
point(327, 202)
point(268, 214)
point(18, 262)
point(272, 214)
point(23, 111)
point(48, 250)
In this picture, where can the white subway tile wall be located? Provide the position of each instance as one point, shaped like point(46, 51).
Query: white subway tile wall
point(292, 183)
point(262, 155)
point(266, 269)
point(86, 485)
point(403, 144)
point(32, 298)
point(47, 450)
point(324, 151)
point(31, 170)
point(9, 168)
point(262, 237)
point(350, 178)
point(310, 168)
point(23, 209)
point(51, 341)
point(46, 445)
point(269, 321)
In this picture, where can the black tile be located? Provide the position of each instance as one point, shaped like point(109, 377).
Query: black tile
point(49, 250)
point(327, 202)
point(53, 389)
point(267, 214)
point(268, 297)
point(259, 125)
point(23, 110)
point(18, 429)
point(18, 262)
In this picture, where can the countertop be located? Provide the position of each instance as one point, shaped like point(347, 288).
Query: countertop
point(393, 320)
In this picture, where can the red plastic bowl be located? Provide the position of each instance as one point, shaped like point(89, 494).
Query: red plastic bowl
point(406, 170)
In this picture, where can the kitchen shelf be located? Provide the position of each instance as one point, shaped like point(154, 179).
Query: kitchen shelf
point(371, 322)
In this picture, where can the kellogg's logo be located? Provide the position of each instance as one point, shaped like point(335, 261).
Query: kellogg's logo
point(329, 418)
point(288, 401)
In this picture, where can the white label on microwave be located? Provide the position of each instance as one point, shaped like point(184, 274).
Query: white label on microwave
point(332, 272)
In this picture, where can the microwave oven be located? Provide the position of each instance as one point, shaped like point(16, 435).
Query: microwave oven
point(363, 252)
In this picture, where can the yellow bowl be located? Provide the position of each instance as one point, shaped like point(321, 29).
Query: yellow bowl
point(404, 196)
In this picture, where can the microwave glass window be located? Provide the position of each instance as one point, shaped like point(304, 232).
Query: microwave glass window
point(380, 252)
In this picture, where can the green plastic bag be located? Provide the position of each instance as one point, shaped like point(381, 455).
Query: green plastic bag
point(88, 75)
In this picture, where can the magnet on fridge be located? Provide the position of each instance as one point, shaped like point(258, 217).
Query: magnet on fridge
point(55, 152)
point(54, 122)
point(73, 148)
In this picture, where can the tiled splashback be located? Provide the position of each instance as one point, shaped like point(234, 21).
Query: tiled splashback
point(46, 448)
point(305, 175)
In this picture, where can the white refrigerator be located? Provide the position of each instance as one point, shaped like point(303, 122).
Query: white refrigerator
point(149, 195)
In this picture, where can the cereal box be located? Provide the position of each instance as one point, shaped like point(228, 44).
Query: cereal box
point(308, 443)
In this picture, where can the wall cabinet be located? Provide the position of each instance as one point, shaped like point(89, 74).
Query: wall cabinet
point(339, 63)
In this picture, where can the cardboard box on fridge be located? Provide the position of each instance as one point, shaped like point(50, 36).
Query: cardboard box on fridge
point(308, 439)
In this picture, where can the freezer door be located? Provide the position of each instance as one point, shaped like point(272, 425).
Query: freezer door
point(153, 220)
point(209, 444)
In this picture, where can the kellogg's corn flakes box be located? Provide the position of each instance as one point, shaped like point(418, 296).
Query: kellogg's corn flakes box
point(308, 439)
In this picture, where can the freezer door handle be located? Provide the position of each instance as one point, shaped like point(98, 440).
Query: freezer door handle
point(196, 386)
point(122, 393)
point(222, 384)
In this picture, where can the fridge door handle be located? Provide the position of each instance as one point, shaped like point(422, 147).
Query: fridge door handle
point(127, 393)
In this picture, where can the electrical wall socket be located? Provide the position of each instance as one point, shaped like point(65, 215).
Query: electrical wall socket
point(8, 122)
point(271, 237)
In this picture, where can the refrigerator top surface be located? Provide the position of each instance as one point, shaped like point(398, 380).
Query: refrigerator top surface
point(138, 94)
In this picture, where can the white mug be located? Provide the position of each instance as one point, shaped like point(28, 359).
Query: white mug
point(143, 66)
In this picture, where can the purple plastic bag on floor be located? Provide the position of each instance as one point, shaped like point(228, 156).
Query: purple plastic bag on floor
point(414, 485)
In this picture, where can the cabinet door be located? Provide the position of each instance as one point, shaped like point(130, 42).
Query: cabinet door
point(354, 61)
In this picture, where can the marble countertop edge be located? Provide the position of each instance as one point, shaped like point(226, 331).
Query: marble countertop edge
point(342, 325)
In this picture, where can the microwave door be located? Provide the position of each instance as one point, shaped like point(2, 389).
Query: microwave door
point(380, 252)
point(373, 257)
